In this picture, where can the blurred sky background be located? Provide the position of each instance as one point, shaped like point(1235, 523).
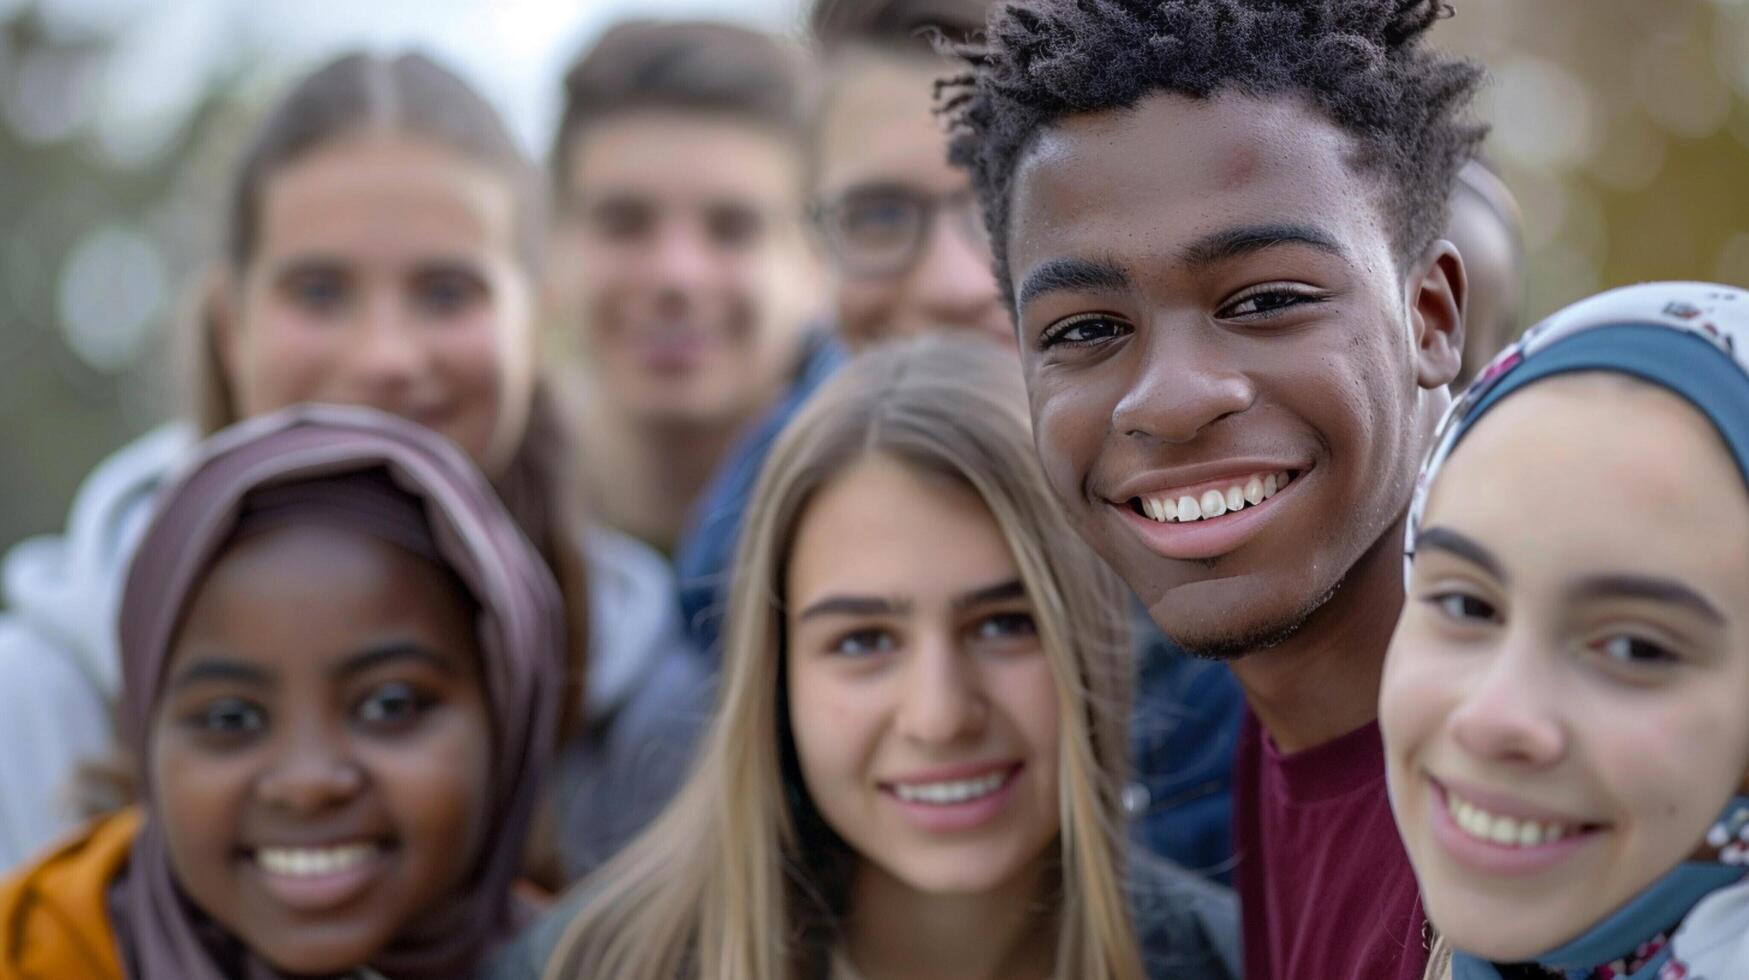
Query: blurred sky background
point(1623, 126)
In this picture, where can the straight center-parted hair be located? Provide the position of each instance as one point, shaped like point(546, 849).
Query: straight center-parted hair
point(740, 878)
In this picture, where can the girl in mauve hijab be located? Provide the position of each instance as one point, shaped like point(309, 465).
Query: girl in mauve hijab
point(341, 670)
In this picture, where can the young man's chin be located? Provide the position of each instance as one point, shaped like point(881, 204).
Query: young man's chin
point(1236, 627)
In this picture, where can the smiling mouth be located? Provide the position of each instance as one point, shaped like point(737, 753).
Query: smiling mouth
point(953, 792)
point(1193, 505)
point(1500, 830)
point(316, 862)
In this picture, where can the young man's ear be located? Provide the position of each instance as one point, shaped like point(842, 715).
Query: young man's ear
point(1438, 291)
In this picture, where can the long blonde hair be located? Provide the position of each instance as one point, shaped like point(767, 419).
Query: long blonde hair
point(740, 878)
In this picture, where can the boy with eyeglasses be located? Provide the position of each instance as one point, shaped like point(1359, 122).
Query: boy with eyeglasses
point(900, 230)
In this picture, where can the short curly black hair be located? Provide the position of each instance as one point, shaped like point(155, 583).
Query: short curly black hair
point(1361, 62)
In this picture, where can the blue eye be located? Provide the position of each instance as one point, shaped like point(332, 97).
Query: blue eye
point(864, 642)
point(392, 705)
point(1082, 331)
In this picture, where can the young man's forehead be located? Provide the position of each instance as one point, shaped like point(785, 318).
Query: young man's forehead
point(1177, 177)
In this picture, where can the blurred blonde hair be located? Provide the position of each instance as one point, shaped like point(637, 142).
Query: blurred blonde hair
point(740, 878)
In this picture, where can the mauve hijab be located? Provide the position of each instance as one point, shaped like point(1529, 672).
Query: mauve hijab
point(373, 472)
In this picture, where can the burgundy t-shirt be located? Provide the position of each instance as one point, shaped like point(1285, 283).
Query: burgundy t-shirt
point(1325, 887)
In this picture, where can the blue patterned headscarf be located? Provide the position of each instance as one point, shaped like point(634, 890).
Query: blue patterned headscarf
point(1692, 339)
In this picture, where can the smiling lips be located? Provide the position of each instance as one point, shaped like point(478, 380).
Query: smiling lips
point(955, 801)
point(1495, 835)
point(1184, 507)
point(317, 879)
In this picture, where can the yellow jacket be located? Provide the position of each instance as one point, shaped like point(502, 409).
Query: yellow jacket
point(54, 920)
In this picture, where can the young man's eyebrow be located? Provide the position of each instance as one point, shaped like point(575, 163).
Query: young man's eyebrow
point(387, 653)
point(1631, 586)
point(218, 669)
point(991, 594)
point(1062, 275)
point(1451, 542)
point(1232, 243)
point(854, 605)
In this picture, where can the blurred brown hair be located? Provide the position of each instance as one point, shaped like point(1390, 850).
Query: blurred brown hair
point(894, 25)
point(699, 67)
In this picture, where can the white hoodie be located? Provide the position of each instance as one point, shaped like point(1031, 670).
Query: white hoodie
point(60, 669)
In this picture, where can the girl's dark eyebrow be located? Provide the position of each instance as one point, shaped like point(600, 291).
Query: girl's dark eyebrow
point(1630, 586)
point(386, 653)
point(219, 669)
point(854, 605)
point(1449, 541)
point(989, 595)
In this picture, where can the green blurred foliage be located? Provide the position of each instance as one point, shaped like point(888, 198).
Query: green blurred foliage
point(96, 255)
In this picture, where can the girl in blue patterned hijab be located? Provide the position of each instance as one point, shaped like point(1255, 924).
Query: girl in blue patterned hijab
point(1566, 701)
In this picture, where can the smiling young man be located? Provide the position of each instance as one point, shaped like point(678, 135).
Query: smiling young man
point(1217, 223)
point(681, 265)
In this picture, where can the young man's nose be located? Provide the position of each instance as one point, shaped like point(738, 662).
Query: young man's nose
point(1180, 384)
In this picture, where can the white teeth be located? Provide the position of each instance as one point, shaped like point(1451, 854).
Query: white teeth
point(949, 793)
point(1504, 831)
point(1248, 492)
point(314, 862)
point(1214, 503)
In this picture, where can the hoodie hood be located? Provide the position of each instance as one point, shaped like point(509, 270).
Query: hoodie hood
point(66, 588)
